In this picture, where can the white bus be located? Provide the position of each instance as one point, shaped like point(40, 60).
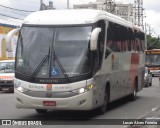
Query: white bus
point(77, 60)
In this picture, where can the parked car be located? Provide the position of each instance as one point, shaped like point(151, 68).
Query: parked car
point(147, 78)
point(7, 75)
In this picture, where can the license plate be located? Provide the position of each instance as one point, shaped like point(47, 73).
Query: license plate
point(5, 89)
point(49, 103)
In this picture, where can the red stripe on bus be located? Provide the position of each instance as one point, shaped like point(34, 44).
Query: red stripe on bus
point(135, 58)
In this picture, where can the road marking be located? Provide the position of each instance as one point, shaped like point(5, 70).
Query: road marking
point(153, 109)
point(140, 117)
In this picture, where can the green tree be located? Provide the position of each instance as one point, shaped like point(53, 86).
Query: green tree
point(153, 42)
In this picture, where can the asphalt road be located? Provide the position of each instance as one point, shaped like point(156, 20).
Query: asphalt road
point(147, 101)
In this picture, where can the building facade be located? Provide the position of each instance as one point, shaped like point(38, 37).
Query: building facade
point(123, 10)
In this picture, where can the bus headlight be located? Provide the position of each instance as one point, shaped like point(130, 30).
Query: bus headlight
point(84, 89)
point(21, 89)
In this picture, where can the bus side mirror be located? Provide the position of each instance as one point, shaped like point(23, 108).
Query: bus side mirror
point(9, 37)
point(94, 39)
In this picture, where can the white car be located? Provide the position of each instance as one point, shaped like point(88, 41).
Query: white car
point(7, 75)
point(147, 78)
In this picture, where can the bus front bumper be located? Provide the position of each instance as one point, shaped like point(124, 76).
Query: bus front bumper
point(82, 101)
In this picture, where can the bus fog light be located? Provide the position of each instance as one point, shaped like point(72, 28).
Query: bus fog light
point(19, 100)
point(81, 102)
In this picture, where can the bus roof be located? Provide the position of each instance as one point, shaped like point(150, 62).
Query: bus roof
point(74, 17)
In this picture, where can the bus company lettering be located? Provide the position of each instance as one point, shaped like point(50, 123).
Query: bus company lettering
point(36, 86)
point(63, 88)
point(49, 81)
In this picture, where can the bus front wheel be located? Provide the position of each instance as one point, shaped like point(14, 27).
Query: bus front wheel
point(41, 110)
point(102, 109)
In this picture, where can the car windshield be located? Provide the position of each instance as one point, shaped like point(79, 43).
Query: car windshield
point(6, 67)
point(49, 52)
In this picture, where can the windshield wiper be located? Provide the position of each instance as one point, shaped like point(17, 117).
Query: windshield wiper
point(61, 67)
point(41, 64)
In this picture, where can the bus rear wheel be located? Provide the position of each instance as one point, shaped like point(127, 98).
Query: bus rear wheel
point(41, 110)
point(133, 96)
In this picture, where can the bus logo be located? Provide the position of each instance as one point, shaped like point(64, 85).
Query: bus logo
point(49, 87)
point(49, 95)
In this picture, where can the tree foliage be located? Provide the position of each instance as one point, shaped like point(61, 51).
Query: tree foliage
point(153, 42)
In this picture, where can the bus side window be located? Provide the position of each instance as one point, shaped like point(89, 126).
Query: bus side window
point(110, 38)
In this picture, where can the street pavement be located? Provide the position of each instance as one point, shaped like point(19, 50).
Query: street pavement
point(147, 106)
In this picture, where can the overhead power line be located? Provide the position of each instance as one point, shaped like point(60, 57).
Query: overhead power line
point(10, 16)
point(16, 9)
point(11, 21)
point(11, 12)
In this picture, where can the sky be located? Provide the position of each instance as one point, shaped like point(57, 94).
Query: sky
point(152, 10)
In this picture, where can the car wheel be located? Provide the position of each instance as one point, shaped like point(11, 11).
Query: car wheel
point(147, 85)
point(150, 84)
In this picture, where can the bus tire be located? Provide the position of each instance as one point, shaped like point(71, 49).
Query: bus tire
point(147, 85)
point(102, 109)
point(41, 110)
point(150, 84)
point(133, 96)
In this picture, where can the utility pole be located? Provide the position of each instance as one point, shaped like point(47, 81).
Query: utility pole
point(46, 7)
point(42, 5)
point(67, 4)
point(145, 28)
point(148, 30)
point(138, 12)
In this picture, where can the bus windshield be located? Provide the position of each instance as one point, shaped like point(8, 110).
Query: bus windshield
point(152, 60)
point(51, 52)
